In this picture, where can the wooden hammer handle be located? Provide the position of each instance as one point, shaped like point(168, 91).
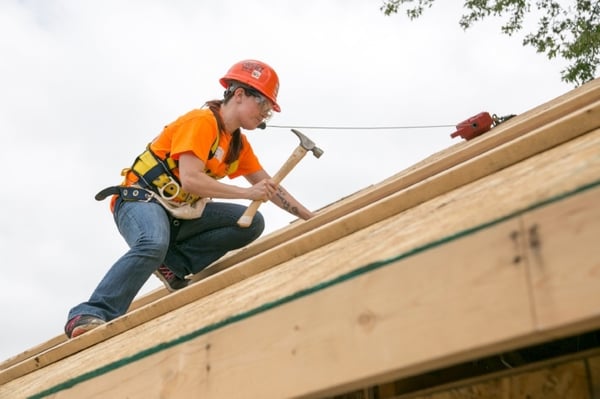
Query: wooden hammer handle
point(246, 219)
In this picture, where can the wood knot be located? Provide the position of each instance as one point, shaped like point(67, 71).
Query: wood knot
point(367, 320)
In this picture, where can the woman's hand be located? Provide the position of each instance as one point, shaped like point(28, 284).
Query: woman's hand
point(262, 191)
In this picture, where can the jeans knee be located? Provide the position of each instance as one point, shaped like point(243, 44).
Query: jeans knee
point(154, 249)
point(257, 226)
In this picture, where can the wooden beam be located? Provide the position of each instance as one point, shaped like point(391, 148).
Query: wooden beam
point(449, 302)
point(428, 168)
point(514, 128)
point(437, 163)
point(460, 209)
point(548, 136)
point(561, 292)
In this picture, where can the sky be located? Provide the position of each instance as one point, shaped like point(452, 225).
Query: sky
point(85, 85)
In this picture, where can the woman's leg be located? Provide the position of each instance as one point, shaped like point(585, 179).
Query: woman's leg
point(146, 228)
point(200, 242)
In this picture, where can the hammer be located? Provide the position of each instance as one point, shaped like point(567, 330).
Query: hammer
point(305, 145)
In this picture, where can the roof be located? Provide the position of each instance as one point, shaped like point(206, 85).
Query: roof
point(360, 292)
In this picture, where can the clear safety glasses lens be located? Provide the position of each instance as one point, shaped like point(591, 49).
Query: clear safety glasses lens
point(266, 108)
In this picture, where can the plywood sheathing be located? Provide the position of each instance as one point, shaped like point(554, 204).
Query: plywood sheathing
point(577, 162)
point(514, 128)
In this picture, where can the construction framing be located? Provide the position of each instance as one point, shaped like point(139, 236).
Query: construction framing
point(484, 247)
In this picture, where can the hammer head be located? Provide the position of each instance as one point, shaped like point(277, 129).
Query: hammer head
point(308, 144)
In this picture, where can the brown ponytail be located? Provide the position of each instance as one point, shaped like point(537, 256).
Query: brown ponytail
point(235, 147)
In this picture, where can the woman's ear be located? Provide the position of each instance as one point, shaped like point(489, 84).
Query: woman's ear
point(239, 94)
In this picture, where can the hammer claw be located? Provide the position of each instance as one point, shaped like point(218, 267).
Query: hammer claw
point(308, 144)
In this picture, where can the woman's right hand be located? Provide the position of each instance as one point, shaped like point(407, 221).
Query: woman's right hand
point(262, 191)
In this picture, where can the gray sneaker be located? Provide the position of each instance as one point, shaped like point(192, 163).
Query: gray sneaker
point(170, 279)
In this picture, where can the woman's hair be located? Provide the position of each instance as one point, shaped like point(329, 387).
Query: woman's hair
point(236, 145)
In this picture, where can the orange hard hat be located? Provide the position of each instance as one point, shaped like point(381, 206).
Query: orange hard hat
point(257, 75)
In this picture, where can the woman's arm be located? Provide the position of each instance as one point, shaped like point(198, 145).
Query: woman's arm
point(195, 181)
point(282, 198)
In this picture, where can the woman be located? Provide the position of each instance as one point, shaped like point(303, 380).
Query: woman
point(163, 207)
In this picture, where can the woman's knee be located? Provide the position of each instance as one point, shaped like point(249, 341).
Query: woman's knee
point(257, 226)
point(155, 247)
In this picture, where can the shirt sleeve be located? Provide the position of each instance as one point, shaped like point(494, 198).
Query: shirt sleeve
point(196, 134)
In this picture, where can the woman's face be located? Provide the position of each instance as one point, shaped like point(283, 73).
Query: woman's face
point(255, 109)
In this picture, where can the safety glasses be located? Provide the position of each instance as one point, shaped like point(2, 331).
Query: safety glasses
point(266, 108)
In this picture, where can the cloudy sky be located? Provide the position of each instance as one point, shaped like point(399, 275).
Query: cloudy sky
point(85, 85)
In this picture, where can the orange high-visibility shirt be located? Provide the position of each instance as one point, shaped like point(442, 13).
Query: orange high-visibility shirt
point(196, 132)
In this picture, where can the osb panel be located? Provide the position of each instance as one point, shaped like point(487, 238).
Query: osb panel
point(564, 381)
point(493, 389)
point(594, 370)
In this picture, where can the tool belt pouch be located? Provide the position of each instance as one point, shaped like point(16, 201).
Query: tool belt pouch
point(183, 210)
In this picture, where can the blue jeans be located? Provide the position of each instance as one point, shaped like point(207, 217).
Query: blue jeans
point(154, 238)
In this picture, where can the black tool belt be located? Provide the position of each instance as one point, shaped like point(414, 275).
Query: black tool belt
point(126, 193)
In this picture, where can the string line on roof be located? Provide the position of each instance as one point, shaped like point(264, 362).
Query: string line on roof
point(360, 127)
